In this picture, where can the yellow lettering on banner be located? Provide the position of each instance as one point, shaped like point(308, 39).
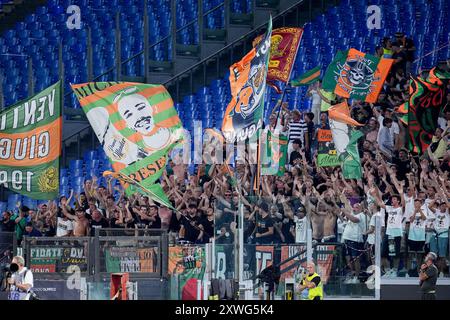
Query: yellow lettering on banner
point(274, 63)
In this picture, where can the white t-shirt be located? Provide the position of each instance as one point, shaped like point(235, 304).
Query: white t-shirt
point(63, 227)
point(417, 229)
point(316, 99)
point(300, 229)
point(394, 221)
point(371, 236)
point(354, 231)
point(21, 277)
point(395, 129)
point(442, 223)
point(409, 209)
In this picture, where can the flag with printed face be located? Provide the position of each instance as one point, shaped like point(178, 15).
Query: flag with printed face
point(243, 116)
point(345, 139)
point(426, 101)
point(137, 126)
point(274, 155)
point(307, 78)
point(354, 74)
point(30, 145)
point(284, 45)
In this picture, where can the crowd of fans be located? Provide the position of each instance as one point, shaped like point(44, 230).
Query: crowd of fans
point(409, 193)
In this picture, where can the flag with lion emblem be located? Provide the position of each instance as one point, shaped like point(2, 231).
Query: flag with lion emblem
point(284, 45)
point(244, 114)
point(137, 125)
point(354, 74)
point(30, 147)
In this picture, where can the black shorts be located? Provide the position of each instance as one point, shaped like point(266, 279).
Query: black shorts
point(353, 249)
point(397, 241)
point(415, 245)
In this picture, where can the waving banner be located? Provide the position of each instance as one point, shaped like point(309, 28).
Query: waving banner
point(137, 126)
point(425, 104)
point(326, 154)
point(307, 78)
point(243, 116)
point(283, 50)
point(345, 139)
point(30, 145)
point(354, 74)
point(274, 156)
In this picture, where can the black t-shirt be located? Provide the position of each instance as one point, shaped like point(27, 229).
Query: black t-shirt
point(190, 232)
point(403, 167)
point(208, 227)
point(113, 223)
point(140, 223)
point(409, 43)
point(103, 223)
point(445, 166)
point(310, 128)
point(430, 283)
point(174, 225)
point(9, 226)
point(294, 156)
point(262, 226)
point(401, 64)
point(249, 226)
point(285, 229)
point(155, 224)
point(49, 231)
point(203, 179)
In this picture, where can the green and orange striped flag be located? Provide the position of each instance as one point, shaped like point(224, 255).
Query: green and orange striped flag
point(307, 78)
point(30, 135)
point(354, 74)
point(137, 126)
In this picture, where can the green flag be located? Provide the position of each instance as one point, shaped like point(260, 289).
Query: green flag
point(354, 74)
point(274, 158)
point(307, 78)
point(351, 165)
point(30, 145)
point(137, 126)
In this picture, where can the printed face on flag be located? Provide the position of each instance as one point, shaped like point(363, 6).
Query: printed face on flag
point(137, 113)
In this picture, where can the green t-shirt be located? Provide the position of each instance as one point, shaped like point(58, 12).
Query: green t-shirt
point(20, 227)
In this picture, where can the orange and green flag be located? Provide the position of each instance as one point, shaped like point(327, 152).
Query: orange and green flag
point(30, 145)
point(354, 74)
point(274, 155)
point(425, 104)
point(307, 78)
point(137, 126)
